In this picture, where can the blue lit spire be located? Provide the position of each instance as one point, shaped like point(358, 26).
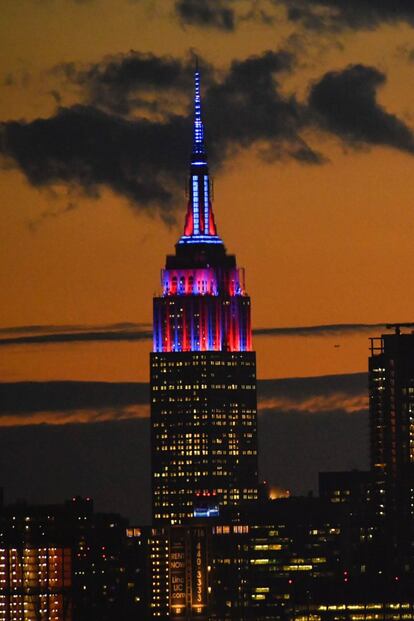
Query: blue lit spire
point(198, 135)
point(199, 226)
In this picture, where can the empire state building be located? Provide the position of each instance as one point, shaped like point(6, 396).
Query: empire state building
point(203, 369)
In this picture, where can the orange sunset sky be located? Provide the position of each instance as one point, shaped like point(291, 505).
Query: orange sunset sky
point(309, 119)
point(322, 243)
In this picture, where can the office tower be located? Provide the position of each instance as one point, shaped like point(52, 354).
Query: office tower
point(281, 551)
point(203, 369)
point(391, 391)
point(349, 487)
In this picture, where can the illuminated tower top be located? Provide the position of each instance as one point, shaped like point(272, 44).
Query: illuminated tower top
point(203, 305)
point(203, 369)
point(199, 227)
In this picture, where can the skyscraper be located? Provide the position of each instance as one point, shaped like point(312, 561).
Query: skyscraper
point(391, 391)
point(203, 369)
point(391, 375)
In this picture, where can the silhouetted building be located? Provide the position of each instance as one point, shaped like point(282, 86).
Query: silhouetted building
point(351, 487)
point(391, 392)
point(281, 552)
point(296, 558)
point(135, 568)
point(203, 369)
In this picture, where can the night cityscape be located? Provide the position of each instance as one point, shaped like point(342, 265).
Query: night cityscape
point(173, 447)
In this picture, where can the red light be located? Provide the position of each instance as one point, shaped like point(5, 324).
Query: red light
point(212, 224)
point(189, 224)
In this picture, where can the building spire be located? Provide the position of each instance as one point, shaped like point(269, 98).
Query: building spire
point(198, 135)
point(199, 227)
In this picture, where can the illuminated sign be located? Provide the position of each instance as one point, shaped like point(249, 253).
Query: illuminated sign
point(177, 574)
point(188, 572)
point(206, 512)
point(199, 572)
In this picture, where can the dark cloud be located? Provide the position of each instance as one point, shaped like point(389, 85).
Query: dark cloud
point(305, 425)
point(131, 135)
point(207, 13)
point(53, 328)
point(55, 396)
point(224, 15)
point(338, 14)
point(345, 103)
point(49, 335)
point(246, 107)
point(88, 148)
point(303, 388)
point(132, 82)
point(30, 397)
point(77, 337)
point(334, 15)
point(91, 147)
point(326, 330)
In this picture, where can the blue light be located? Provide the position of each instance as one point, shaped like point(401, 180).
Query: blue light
point(200, 239)
point(200, 221)
point(198, 146)
point(206, 512)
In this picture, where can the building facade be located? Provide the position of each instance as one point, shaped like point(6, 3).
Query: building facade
point(203, 369)
point(35, 583)
point(391, 393)
point(65, 562)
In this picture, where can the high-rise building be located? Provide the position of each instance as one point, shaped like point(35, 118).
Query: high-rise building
point(391, 385)
point(391, 391)
point(203, 369)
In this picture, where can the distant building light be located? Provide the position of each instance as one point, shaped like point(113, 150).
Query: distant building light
point(206, 512)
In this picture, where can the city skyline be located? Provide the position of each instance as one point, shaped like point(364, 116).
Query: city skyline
point(77, 291)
